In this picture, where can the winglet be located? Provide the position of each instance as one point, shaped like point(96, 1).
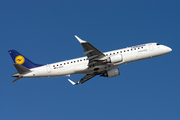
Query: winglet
point(81, 41)
point(73, 83)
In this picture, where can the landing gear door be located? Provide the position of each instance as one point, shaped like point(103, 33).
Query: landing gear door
point(48, 68)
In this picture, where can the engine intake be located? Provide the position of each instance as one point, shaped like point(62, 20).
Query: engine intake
point(111, 73)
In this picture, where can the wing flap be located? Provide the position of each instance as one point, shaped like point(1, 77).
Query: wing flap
point(87, 52)
point(92, 57)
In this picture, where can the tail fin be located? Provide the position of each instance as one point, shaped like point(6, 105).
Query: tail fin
point(22, 60)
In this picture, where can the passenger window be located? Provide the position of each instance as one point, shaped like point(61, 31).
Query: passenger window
point(64, 63)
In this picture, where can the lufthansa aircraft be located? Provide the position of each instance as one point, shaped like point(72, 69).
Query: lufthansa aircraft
point(96, 62)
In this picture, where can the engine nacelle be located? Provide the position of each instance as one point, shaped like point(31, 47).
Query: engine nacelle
point(114, 59)
point(111, 73)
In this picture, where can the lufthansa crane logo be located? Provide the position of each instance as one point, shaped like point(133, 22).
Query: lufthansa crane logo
point(19, 59)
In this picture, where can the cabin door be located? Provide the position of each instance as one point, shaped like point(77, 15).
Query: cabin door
point(48, 68)
point(150, 47)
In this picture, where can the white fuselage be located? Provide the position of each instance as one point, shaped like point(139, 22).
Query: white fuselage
point(80, 65)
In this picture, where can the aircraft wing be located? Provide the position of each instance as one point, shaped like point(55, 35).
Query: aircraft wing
point(84, 79)
point(91, 52)
point(94, 56)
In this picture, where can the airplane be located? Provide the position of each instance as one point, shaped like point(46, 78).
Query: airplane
point(95, 63)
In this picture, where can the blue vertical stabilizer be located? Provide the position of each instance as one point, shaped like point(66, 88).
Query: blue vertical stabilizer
point(22, 60)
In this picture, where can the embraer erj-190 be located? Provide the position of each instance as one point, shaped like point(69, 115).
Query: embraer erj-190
point(96, 62)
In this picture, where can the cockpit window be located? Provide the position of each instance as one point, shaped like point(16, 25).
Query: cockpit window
point(158, 44)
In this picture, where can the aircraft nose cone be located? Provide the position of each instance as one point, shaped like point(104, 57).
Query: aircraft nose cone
point(169, 49)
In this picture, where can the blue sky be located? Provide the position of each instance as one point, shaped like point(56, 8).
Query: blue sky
point(44, 32)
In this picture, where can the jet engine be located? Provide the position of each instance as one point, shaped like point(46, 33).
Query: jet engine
point(114, 59)
point(111, 73)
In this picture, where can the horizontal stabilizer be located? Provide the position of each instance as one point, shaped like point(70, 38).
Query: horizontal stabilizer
point(18, 78)
point(21, 69)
